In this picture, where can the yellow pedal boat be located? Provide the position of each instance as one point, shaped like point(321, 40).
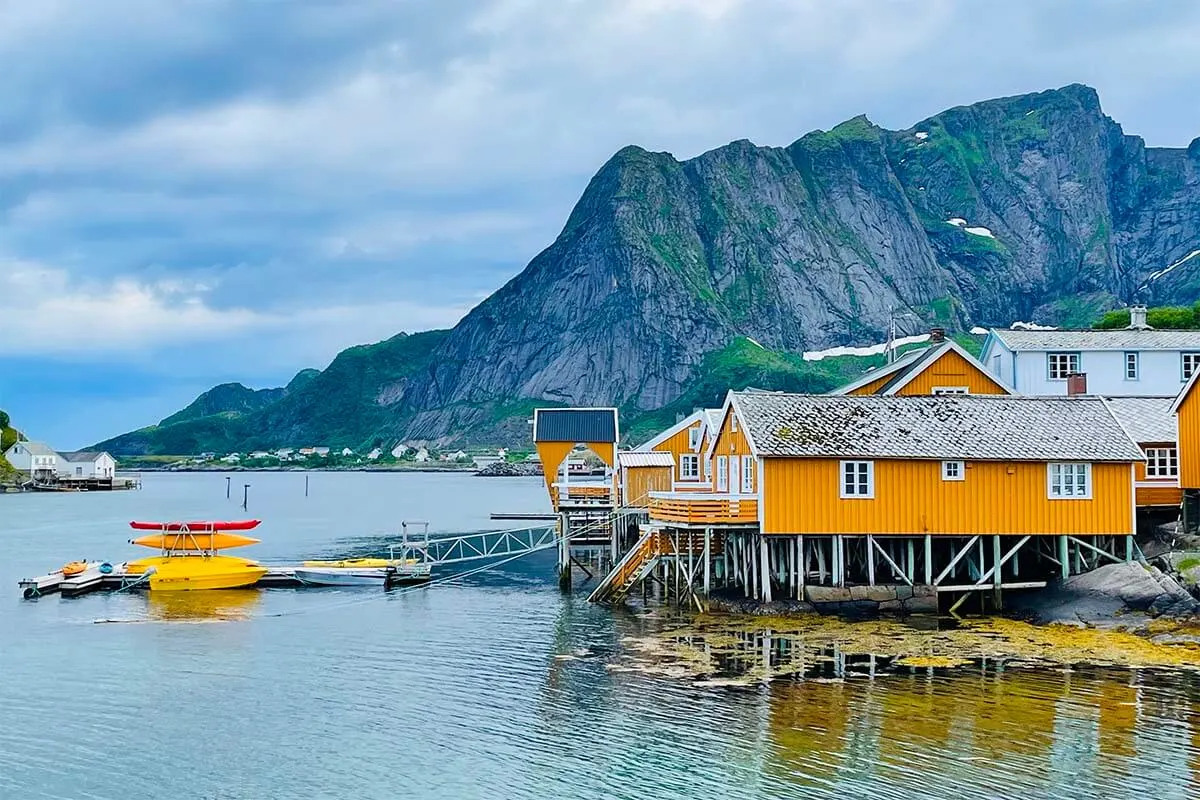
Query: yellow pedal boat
point(180, 573)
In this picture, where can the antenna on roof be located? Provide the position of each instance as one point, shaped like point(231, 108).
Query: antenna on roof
point(891, 340)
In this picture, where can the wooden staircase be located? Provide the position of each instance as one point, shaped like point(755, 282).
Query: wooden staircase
point(637, 565)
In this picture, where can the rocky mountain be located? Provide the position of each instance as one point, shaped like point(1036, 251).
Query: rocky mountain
point(1036, 206)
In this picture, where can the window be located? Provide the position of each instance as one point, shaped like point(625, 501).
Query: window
point(722, 473)
point(694, 437)
point(951, 390)
point(1070, 480)
point(1162, 462)
point(708, 469)
point(858, 479)
point(733, 422)
point(689, 467)
point(79, 471)
point(1060, 365)
point(1188, 363)
point(747, 475)
point(953, 471)
point(1131, 366)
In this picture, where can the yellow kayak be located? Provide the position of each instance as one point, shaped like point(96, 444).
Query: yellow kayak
point(360, 563)
point(194, 541)
point(195, 572)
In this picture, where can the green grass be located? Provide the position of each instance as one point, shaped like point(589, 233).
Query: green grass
point(1187, 563)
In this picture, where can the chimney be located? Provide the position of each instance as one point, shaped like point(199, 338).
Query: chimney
point(1137, 318)
point(1077, 383)
point(937, 335)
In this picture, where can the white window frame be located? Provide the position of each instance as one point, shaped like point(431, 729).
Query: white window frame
point(864, 480)
point(747, 475)
point(722, 473)
point(1190, 358)
point(1133, 365)
point(692, 471)
point(944, 390)
point(1062, 480)
point(1162, 462)
point(708, 470)
point(1052, 367)
point(694, 437)
point(954, 471)
point(733, 422)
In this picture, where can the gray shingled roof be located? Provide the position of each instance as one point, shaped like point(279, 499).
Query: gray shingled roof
point(712, 416)
point(37, 448)
point(902, 362)
point(1146, 419)
point(969, 427)
point(1122, 339)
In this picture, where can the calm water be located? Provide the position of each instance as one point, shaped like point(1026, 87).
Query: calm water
point(498, 687)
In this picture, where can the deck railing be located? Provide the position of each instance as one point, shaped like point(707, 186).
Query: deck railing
point(696, 508)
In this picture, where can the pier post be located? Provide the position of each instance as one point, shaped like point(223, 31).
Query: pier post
point(564, 554)
point(764, 554)
point(801, 565)
point(928, 560)
point(1064, 557)
point(870, 560)
point(1129, 547)
point(997, 597)
point(707, 560)
point(838, 559)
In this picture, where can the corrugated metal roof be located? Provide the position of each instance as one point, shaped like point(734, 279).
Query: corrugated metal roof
point(1146, 419)
point(652, 458)
point(971, 427)
point(575, 425)
point(1122, 339)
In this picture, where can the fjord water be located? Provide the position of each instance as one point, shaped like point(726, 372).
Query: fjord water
point(496, 686)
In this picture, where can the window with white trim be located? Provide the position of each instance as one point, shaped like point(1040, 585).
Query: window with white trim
point(951, 390)
point(858, 479)
point(747, 475)
point(953, 471)
point(708, 469)
point(1188, 363)
point(1060, 365)
point(694, 437)
point(722, 473)
point(1162, 462)
point(1131, 366)
point(733, 422)
point(689, 467)
point(1069, 480)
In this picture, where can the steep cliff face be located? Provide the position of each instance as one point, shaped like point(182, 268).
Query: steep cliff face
point(1036, 206)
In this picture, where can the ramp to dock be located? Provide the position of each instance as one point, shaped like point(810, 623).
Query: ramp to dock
point(636, 566)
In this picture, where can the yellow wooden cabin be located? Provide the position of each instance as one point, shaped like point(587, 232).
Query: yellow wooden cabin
point(1186, 409)
point(1150, 422)
point(942, 368)
point(687, 443)
point(643, 472)
point(557, 432)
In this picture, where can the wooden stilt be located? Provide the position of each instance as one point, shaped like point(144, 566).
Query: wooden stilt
point(1064, 556)
point(707, 560)
point(764, 551)
point(1129, 548)
point(928, 559)
point(870, 560)
point(820, 546)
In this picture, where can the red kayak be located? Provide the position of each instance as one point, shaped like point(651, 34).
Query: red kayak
point(197, 527)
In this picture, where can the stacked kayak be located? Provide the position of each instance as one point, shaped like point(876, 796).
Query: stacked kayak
point(189, 556)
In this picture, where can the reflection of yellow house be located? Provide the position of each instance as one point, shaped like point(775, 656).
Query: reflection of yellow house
point(810, 727)
point(942, 368)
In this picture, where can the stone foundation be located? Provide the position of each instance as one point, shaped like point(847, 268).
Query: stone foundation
point(887, 599)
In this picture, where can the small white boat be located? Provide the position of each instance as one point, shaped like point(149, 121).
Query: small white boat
point(343, 576)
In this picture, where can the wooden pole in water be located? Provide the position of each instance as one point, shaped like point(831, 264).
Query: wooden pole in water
point(245, 495)
point(707, 559)
point(228, 484)
point(306, 486)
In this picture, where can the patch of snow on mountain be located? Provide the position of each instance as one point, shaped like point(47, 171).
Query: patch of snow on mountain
point(1030, 326)
point(869, 350)
point(980, 231)
point(1156, 275)
point(921, 135)
point(957, 221)
point(978, 331)
point(755, 343)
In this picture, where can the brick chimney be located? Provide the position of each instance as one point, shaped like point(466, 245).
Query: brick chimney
point(1077, 383)
point(1137, 318)
point(937, 335)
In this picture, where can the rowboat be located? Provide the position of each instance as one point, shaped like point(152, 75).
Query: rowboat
point(193, 527)
point(342, 576)
point(196, 572)
point(194, 541)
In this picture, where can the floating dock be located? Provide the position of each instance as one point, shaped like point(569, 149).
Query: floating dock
point(92, 579)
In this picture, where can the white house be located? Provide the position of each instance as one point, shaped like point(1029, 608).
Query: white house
point(485, 461)
point(284, 453)
point(320, 451)
point(399, 450)
point(346, 451)
point(87, 464)
point(374, 454)
point(232, 458)
point(33, 457)
point(422, 455)
point(1137, 361)
point(259, 454)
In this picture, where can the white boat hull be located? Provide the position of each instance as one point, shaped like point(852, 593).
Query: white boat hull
point(334, 576)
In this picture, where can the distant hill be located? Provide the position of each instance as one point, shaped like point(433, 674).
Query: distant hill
point(1035, 207)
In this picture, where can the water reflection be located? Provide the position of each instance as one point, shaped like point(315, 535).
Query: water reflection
point(211, 606)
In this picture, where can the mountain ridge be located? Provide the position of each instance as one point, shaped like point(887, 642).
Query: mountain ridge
point(1032, 206)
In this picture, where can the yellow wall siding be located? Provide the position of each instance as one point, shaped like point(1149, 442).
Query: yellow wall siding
point(733, 443)
point(1189, 441)
point(951, 369)
point(874, 386)
point(802, 496)
point(677, 445)
point(640, 481)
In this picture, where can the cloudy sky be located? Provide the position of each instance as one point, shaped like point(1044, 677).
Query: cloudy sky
point(199, 191)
